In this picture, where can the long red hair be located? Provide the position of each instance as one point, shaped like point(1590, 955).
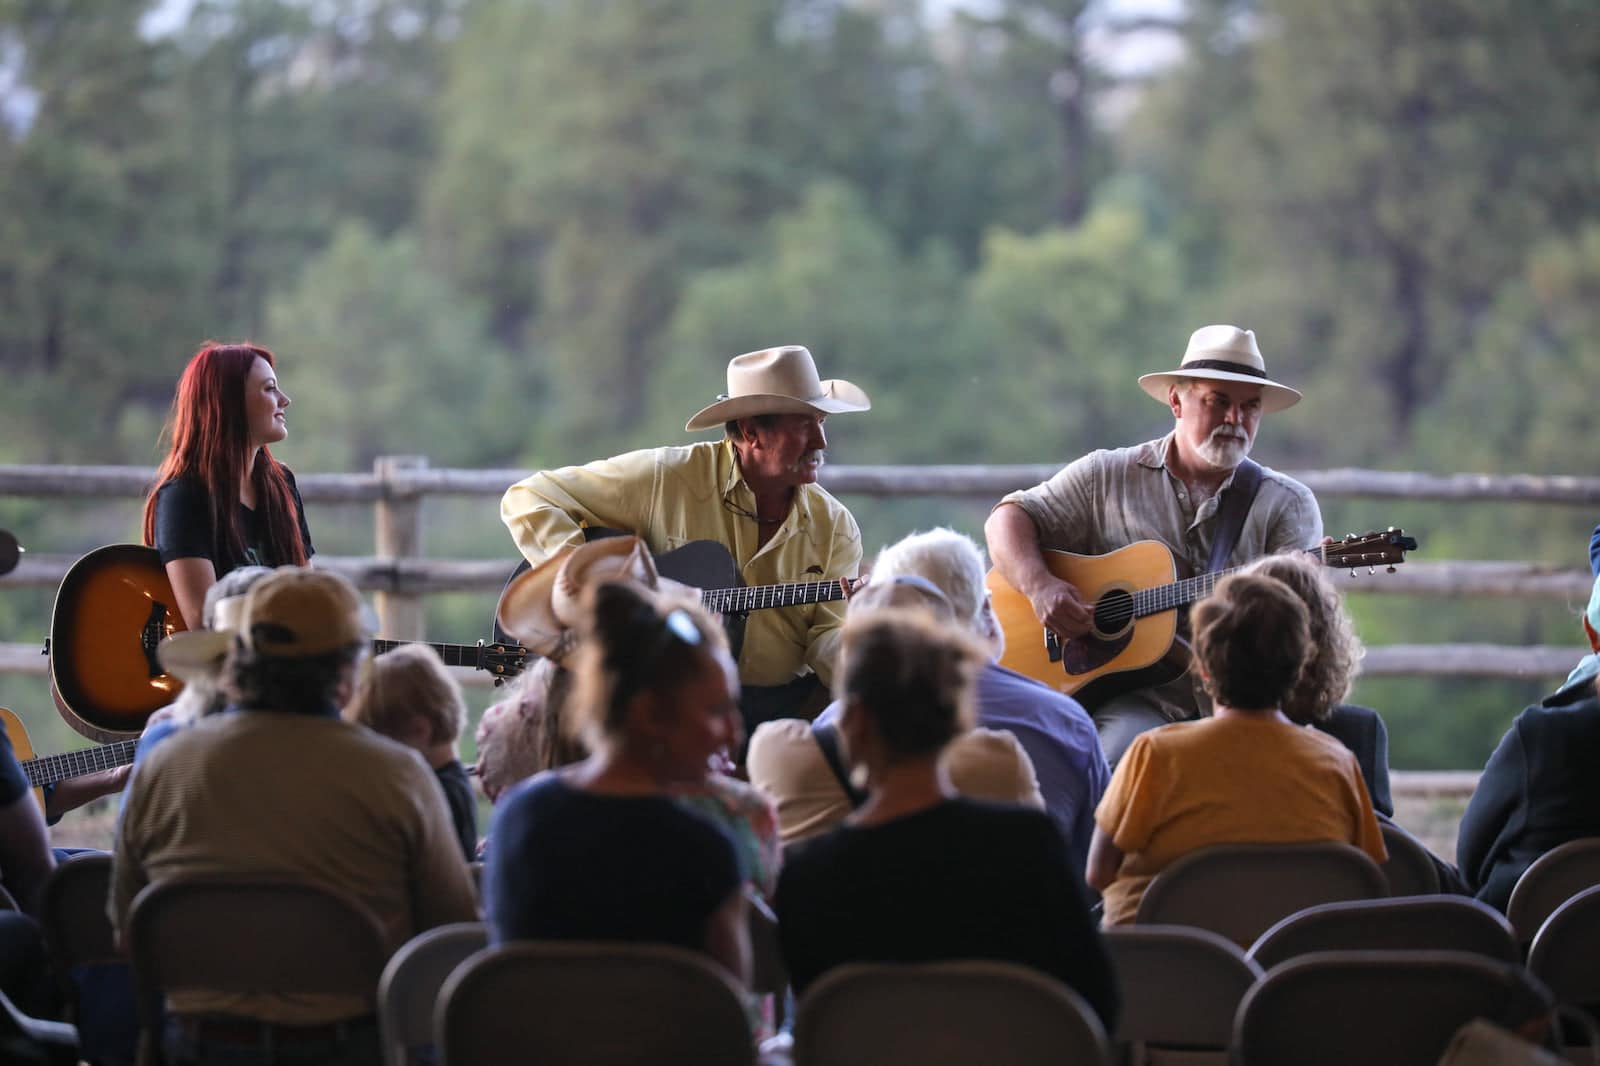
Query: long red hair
point(210, 437)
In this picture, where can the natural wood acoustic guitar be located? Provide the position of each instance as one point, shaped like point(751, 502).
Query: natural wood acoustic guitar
point(114, 608)
point(48, 769)
point(1134, 640)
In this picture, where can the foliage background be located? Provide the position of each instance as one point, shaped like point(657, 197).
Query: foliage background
point(524, 233)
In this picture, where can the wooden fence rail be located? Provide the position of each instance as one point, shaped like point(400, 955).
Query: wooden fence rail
point(401, 577)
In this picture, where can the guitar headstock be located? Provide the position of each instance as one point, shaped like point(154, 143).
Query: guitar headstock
point(1386, 548)
point(502, 660)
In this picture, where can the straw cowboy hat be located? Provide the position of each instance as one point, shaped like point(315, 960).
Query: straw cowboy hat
point(778, 381)
point(197, 654)
point(1223, 353)
point(541, 606)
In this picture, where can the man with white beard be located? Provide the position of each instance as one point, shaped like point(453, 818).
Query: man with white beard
point(1168, 490)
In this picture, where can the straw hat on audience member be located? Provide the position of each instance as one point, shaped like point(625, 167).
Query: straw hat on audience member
point(541, 606)
point(197, 654)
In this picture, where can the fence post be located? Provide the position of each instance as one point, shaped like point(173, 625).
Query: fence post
point(398, 521)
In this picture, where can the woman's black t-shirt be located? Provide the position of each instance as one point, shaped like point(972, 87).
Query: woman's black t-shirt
point(183, 527)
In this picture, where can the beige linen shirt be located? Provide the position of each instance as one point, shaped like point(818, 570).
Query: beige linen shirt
point(308, 796)
point(1109, 499)
point(786, 764)
point(672, 496)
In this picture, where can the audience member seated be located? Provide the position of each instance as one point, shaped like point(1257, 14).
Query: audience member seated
point(527, 736)
point(919, 873)
point(196, 658)
point(1540, 788)
point(279, 785)
point(408, 695)
point(1247, 774)
point(602, 850)
point(804, 767)
point(1059, 741)
point(1335, 659)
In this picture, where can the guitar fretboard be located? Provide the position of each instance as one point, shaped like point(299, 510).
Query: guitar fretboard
point(49, 769)
point(759, 597)
point(452, 654)
point(1166, 597)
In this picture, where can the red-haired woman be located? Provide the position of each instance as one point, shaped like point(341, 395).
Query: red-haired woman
point(221, 500)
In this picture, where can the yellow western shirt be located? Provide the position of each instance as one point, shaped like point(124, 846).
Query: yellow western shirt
point(672, 496)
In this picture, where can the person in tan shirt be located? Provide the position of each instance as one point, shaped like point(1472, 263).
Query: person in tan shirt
point(1246, 775)
point(278, 785)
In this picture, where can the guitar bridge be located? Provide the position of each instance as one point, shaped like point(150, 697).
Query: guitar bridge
point(1052, 645)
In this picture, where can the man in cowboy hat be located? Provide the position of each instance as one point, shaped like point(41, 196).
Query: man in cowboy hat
point(1168, 490)
point(754, 492)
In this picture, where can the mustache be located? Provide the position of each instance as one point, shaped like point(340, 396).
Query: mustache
point(816, 455)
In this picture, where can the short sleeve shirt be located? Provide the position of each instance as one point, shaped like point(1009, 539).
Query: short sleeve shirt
point(1110, 499)
point(1231, 780)
point(567, 864)
point(184, 529)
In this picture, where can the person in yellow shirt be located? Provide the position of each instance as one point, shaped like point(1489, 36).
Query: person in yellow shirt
point(754, 492)
point(1245, 775)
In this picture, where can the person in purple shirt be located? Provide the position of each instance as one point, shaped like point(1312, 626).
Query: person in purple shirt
point(1055, 731)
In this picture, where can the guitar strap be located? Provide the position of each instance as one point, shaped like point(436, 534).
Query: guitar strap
point(827, 738)
point(1231, 511)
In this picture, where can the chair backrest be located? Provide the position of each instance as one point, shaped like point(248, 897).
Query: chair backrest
point(409, 987)
point(256, 934)
point(1410, 869)
point(1409, 923)
point(1552, 879)
point(72, 910)
point(601, 1004)
point(1240, 890)
point(945, 1014)
point(1376, 1008)
point(1566, 951)
point(1180, 985)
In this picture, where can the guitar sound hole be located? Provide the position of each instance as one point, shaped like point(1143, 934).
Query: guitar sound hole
point(1113, 613)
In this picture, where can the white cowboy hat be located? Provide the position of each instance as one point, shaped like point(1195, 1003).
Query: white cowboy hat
point(541, 606)
point(1223, 353)
point(778, 381)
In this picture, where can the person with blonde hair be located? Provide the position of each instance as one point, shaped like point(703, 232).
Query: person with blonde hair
point(918, 873)
point(408, 695)
point(601, 850)
point(1245, 775)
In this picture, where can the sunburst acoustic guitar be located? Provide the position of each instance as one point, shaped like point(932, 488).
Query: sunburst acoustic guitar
point(1133, 642)
point(115, 606)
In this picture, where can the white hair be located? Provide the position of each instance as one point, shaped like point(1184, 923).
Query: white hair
point(952, 561)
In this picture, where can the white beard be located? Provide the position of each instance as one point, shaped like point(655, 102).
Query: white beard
point(1223, 450)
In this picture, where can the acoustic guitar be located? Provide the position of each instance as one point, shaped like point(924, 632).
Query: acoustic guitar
point(49, 769)
point(114, 608)
point(1133, 640)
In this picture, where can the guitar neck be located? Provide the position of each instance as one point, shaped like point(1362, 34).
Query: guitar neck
point(761, 597)
point(452, 654)
point(1182, 593)
point(49, 769)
